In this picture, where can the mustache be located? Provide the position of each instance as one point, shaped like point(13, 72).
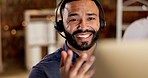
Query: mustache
point(84, 31)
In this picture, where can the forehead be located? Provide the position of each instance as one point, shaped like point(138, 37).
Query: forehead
point(82, 5)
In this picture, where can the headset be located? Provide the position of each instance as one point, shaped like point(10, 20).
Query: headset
point(59, 23)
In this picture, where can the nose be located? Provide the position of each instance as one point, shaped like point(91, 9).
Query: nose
point(82, 24)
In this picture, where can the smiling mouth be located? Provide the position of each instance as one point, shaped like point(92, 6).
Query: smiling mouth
point(83, 35)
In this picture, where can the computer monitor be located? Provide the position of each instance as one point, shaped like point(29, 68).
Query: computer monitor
point(121, 59)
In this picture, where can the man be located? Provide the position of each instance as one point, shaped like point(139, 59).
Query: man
point(81, 24)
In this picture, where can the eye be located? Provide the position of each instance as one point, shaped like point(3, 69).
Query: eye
point(91, 18)
point(72, 20)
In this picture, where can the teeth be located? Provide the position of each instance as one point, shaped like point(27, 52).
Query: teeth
point(83, 36)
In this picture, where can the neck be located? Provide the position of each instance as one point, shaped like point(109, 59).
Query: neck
point(88, 52)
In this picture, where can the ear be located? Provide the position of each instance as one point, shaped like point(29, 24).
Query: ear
point(59, 26)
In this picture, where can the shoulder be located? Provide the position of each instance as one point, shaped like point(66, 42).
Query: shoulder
point(137, 30)
point(48, 66)
point(56, 56)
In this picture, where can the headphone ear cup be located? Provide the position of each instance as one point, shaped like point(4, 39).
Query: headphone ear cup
point(102, 23)
point(59, 26)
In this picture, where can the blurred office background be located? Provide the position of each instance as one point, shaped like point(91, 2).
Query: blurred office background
point(27, 31)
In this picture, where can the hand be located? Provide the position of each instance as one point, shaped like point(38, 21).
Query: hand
point(79, 69)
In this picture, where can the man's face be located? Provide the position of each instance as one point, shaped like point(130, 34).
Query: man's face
point(81, 20)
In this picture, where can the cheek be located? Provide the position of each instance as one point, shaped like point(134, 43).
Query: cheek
point(96, 26)
point(69, 28)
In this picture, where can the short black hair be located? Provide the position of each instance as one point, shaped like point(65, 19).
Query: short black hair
point(64, 2)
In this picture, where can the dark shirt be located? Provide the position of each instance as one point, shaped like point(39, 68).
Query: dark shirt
point(49, 67)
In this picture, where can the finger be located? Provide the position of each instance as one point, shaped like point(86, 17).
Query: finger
point(90, 73)
point(79, 63)
point(63, 59)
point(64, 56)
point(68, 61)
point(87, 65)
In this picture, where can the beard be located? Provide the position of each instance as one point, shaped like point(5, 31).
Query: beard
point(84, 45)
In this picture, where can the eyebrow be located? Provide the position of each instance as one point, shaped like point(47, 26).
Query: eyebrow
point(88, 14)
point(91, 14)
point(74, 14)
